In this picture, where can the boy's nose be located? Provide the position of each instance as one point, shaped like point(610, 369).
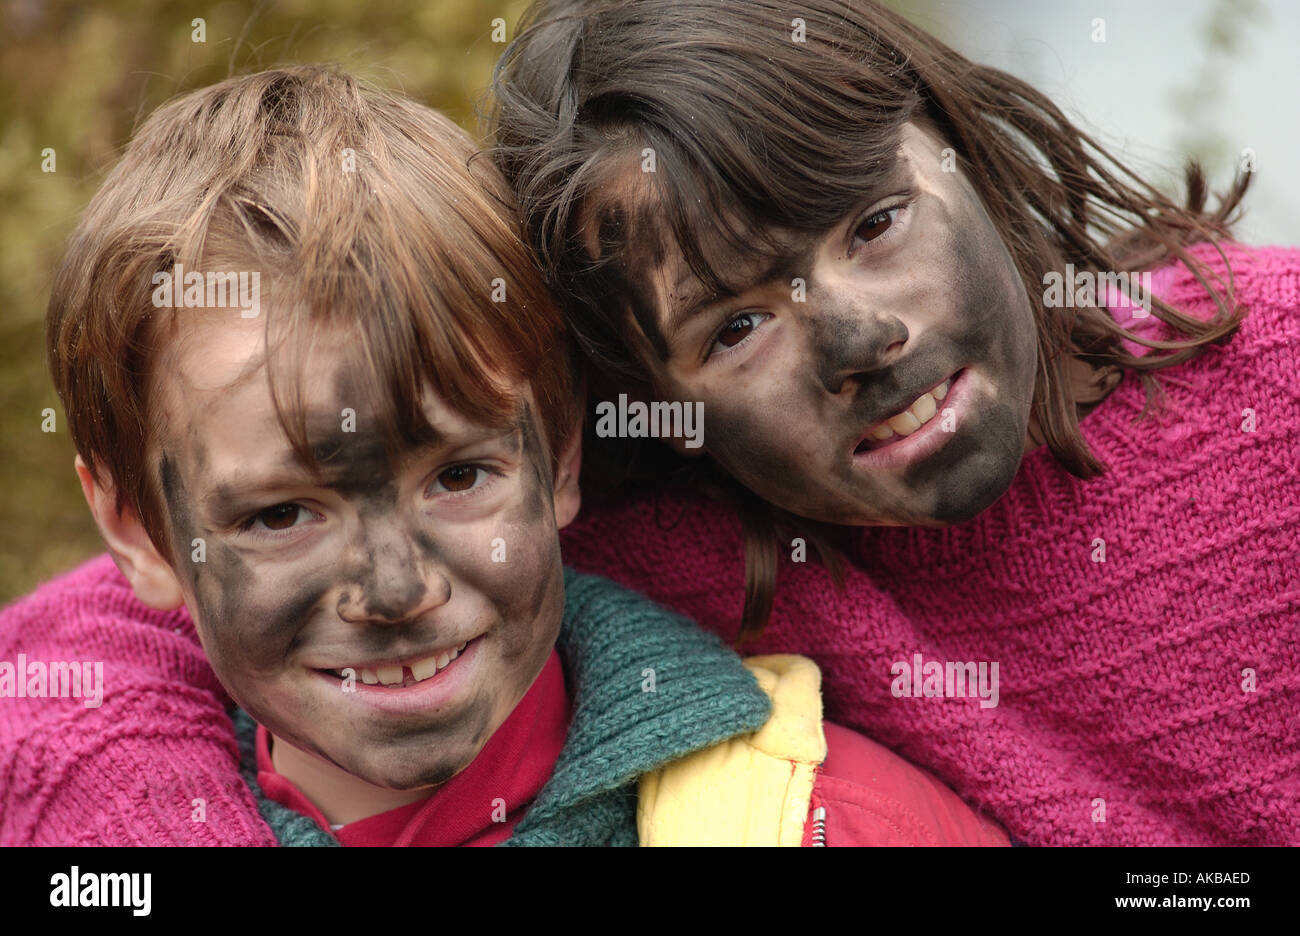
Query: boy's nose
point(393, 583)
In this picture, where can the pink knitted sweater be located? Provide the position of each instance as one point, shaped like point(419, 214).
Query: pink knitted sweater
point(1120, 683)
point(128, 771)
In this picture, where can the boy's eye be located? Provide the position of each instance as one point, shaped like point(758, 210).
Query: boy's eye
point(459, 478)
point(281, 516)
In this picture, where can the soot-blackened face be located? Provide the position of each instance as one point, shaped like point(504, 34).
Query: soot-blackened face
point(914, 291)
point(376, 564)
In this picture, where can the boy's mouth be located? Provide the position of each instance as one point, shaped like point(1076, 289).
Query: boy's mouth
point(404, 675)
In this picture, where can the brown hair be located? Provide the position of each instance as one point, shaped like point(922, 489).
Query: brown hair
point(363, 209)
point(779, 133)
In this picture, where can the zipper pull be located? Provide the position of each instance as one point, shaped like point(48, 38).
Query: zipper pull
point(819, 828)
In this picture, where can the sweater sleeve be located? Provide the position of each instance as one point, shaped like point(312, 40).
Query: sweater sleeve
point(687, 553)
point(151, 761)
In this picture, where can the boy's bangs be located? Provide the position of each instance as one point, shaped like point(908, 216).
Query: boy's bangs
point(422, 325)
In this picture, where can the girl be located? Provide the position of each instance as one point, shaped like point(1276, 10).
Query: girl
point(913, 300)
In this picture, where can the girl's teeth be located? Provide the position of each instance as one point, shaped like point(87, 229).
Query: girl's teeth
point(369, 678)
point(912, 418)
point(924, 408)
point(389, 675)
point(904, 423)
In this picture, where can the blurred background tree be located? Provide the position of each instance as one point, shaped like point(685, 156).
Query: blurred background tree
point(76, 79)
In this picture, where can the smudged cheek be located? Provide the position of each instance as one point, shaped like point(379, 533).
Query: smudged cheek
point(512, 565)
point(994, 323)
point(782, 445)
point(252, 617)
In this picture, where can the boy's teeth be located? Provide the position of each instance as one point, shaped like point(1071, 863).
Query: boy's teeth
point(420, 669)
point(912, 418)
point(425, 668)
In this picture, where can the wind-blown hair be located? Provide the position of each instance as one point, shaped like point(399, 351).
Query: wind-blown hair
point(752, 130)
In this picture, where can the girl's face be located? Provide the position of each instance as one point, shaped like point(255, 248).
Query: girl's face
point(303, 585)
point(912, 291)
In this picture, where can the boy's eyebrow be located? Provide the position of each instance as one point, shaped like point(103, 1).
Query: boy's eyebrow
point(246, 485)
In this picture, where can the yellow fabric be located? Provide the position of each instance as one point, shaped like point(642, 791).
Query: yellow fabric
point(750, 790)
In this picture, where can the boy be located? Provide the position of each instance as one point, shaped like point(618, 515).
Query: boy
point(343, 490)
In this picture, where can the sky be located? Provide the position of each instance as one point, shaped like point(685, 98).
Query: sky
point(1124, 91)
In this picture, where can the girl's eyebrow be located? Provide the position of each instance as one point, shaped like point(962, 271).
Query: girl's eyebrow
point(698, 299)
point(795, 260)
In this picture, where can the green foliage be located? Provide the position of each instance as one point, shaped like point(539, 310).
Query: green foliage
point(77, 81)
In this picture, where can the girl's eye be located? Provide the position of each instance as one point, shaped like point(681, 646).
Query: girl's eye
point(459, 478)
point(280, 517)
point(737, 330)
point(874, 227)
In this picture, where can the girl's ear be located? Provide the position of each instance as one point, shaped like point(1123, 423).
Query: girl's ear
point(568, 497)
point(151, 577)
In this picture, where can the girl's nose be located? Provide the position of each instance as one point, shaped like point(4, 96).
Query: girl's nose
point(851, 341)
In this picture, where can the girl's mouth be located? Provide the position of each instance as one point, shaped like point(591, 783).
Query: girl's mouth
point(923, 409)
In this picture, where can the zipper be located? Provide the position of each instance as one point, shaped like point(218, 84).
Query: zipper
point(819, 828)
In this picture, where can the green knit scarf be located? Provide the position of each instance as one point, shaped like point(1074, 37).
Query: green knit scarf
point(613, 643)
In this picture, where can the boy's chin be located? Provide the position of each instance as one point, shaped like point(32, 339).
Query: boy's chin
point(409, 777)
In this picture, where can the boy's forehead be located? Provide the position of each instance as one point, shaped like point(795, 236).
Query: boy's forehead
point(213, 389)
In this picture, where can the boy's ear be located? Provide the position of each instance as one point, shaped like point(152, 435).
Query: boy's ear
point(568, 497)
point(151, 577)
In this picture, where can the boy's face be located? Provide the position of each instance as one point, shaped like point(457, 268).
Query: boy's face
point(375, 566)
point(894, 305)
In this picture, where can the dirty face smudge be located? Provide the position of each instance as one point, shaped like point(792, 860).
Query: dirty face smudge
point(379, 557)
point(913, 288)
